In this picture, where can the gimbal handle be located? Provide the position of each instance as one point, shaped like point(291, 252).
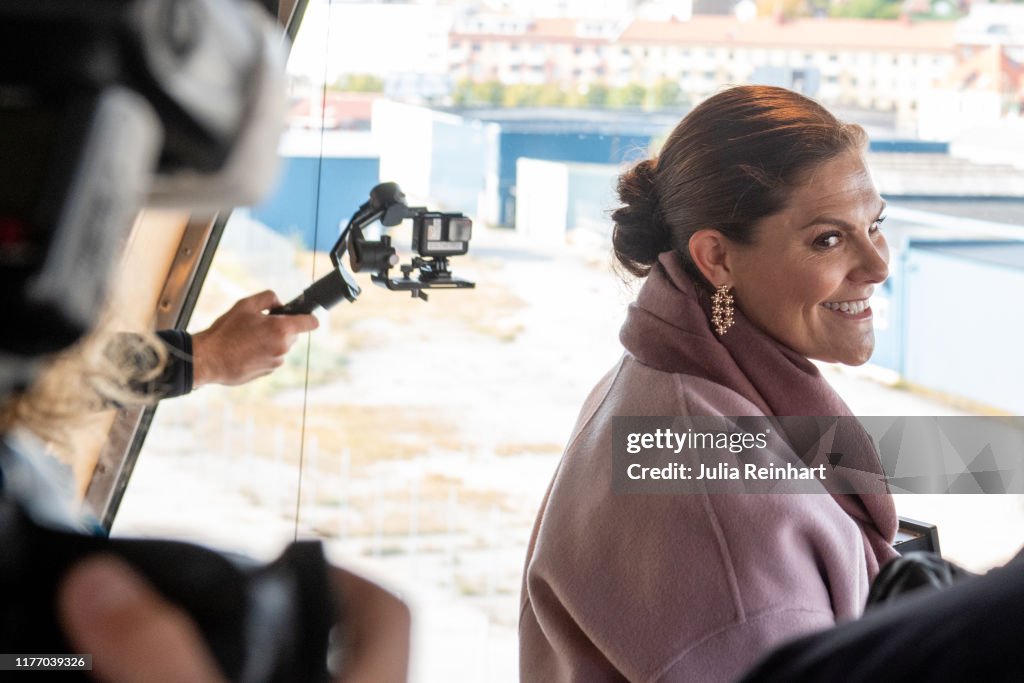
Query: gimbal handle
point(387, 204)
point(324, 293)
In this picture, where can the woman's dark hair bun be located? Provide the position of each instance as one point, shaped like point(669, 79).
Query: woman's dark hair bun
point(734, 160)
point(640, 232)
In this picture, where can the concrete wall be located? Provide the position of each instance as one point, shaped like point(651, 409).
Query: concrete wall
point(437, 157)
point(597, 148)
point(554, 197)
point(963, 325)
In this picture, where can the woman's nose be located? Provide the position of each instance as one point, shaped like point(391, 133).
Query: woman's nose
point(874, 266)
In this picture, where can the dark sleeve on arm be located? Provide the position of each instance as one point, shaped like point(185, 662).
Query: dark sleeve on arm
point(970, 632)
point(177, 377)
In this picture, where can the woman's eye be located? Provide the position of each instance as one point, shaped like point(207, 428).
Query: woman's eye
point(828, 240)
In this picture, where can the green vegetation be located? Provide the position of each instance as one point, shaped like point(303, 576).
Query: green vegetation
point(358, 83)
point(596, 95)
point(519, 95)
point(861, 9)
point(868, 9)
point(490, 93)
point(667, 93)
point(890, 9)
point(633, 95)
point(661, 95)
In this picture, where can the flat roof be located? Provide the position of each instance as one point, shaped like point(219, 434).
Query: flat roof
point(1004, 210)
point(999, 252)
point(832, 34)
point(822, 33)
point(573, 120)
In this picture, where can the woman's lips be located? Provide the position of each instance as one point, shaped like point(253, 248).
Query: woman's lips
point(857, 309)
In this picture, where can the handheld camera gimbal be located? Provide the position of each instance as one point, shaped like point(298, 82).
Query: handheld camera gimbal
point(436, 236)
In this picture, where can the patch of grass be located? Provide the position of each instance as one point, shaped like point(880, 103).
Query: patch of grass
point(370, 433)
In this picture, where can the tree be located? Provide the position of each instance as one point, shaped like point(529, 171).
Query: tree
point(359, 83)
point(596, 95)
point(519, 95)
point(462, 93)
point(667, 93)
point(551, 95)
point(489, 93)
point(868, 9)
point(632, 95)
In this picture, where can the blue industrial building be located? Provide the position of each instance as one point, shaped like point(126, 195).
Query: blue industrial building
point(462, 160)
point(314, 196)
point(575, 141)
point(423, 149)
point(962, 328)
point(944, 319)
point(322, 181)
point(906, 305)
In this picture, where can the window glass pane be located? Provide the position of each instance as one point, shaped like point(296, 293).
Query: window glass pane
point(428, 431)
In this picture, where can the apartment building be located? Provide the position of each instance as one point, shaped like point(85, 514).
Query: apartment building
point(877, 64)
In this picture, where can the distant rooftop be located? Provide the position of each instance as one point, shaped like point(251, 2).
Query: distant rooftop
point(823, 33)
point(1002, 253)
point(1005, 210)
point(572, 120)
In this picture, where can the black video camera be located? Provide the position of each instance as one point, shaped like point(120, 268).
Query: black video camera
point(441, 234)
point(435, 237)
point(107, 106)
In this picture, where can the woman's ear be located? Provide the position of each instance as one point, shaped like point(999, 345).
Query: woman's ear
point(708, 250)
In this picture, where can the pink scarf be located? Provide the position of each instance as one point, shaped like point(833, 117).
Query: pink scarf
point(668, 328)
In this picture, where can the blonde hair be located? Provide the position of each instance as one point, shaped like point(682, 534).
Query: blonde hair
point(103, 370)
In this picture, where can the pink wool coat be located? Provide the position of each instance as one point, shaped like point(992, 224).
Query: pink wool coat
point(696, 587)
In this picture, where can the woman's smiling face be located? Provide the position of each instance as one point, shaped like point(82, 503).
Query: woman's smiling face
point(809, 274)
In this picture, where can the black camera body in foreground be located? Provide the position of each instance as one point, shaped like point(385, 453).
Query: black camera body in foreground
point(263, 623)
point(107, 106)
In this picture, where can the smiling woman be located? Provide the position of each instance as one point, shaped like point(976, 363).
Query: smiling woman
point(807, 277)
point(758, 231)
